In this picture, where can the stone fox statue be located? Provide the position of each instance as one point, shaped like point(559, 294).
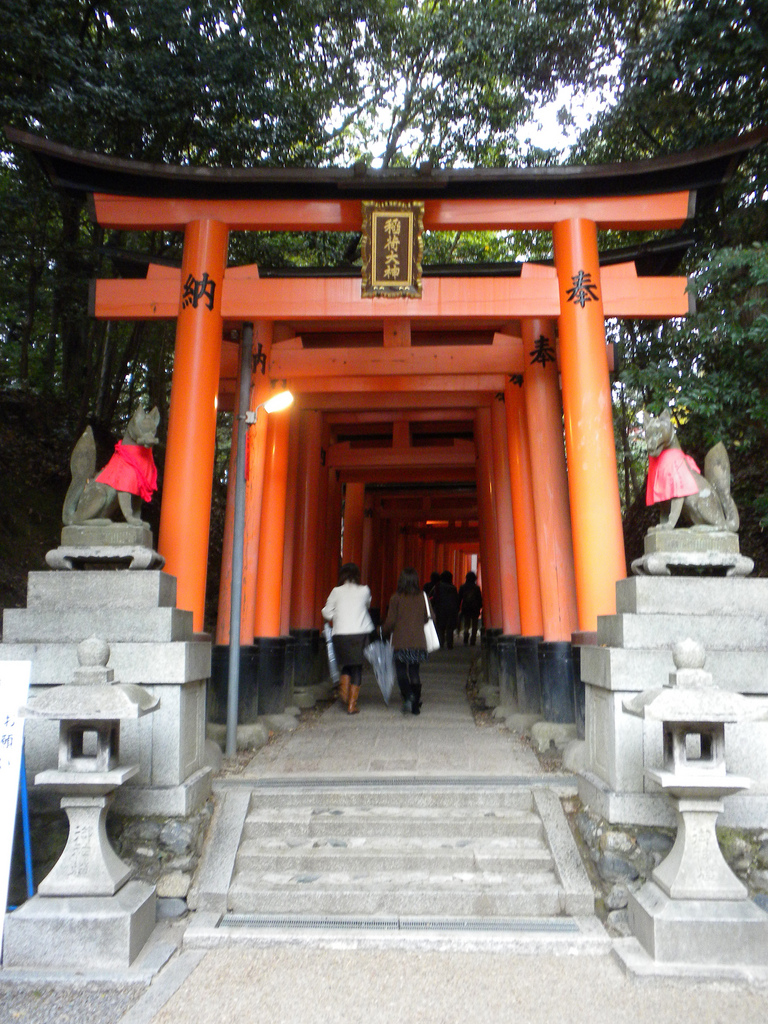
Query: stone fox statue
point(674, 478)
point(129, 477)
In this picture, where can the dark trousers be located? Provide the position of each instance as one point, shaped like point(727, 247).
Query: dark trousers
point(445, 627)
point(408, 678)
point(473, 624)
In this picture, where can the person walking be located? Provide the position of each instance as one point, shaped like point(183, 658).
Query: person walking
point(347, 611)
point(470, 603)
point(446, 605)
point(406, 615)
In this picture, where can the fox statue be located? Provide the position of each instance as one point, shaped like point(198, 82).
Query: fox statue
point(129, 477)
point(674, 479)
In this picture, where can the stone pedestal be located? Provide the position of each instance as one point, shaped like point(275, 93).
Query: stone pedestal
point(633, 652)
point(713, 932)
point(71, 933)
point(696, 550)
point(152, 644)
point(695, 867)
point(88, 866)
point(110, 544)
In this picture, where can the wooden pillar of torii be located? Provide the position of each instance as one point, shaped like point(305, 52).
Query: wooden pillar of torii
point(186, 508)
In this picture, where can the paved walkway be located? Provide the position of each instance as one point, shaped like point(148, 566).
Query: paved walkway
point(442, 740)
point(350, 979)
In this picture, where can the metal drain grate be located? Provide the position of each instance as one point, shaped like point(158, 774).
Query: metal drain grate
point(482, 924)
point(310, 922)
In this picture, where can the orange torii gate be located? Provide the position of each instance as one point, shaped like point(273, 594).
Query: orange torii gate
point(534, 516)
point(453, 302)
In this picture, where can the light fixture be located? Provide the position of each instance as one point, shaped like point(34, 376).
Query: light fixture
point(279, 401)
point(274, 404)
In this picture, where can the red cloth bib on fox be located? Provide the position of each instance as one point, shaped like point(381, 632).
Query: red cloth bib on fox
point(132, 468)
point(669, 476)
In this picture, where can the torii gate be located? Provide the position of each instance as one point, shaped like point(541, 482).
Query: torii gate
point(598, 544)
point(535, 584)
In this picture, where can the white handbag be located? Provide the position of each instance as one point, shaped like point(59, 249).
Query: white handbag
point(430, 630)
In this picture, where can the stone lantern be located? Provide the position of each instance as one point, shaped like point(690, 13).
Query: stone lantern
point(86, 908)
point(694, 909)
point(89, 711)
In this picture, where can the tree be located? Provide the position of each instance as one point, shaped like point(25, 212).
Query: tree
point(212, 82)
point(452, 81)
point(692, 74)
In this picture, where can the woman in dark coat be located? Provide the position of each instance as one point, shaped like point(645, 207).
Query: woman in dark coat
point(470, 603)
point(406, 616)
point(446, 604)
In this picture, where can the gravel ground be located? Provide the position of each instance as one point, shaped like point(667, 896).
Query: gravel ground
point(305, 985)
point(60, 1004)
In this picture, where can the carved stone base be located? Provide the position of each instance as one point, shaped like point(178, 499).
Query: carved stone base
point(103, 544)
point(106, 534)
point(695, 868)
point(690, 552)
point(102, 557)
point(88, 866)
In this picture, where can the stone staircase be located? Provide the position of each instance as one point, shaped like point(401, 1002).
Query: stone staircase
point(393, 848)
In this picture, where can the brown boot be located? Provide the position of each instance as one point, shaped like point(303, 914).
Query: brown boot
point(344, 689)
point(352, 707)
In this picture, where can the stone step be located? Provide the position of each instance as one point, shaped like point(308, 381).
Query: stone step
point(350, 795)
point(433, 856)
point(144, 663)
point(409, 893)
point(342, 822)
point(398, 849)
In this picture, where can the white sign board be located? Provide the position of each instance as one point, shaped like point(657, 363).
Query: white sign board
point(14, 687)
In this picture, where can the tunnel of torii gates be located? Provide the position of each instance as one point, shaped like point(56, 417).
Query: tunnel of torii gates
point(472, 421)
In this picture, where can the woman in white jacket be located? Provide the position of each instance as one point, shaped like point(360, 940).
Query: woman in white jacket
point(347, 610)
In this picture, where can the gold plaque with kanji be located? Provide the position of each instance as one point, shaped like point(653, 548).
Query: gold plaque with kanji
point(392, 249)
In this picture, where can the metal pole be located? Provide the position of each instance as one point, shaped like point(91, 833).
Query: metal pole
point(27, 832)
point(238, 533)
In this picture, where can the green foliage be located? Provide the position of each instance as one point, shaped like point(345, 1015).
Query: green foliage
point(712, 367)
point(227, 83)
point(210, 82)
point(452, 81)
point(470, 247)
point(691, 74)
